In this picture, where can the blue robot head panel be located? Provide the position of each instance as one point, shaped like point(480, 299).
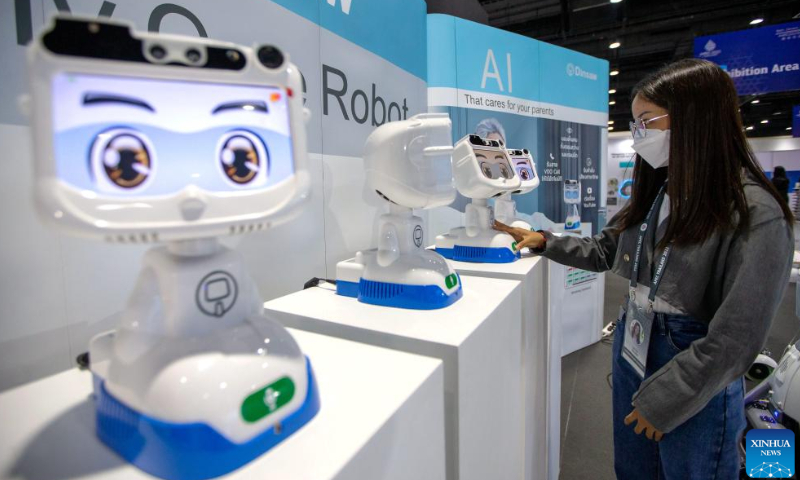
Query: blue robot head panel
point(137, 137)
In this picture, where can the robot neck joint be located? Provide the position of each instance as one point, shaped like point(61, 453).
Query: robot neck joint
point(198, 247)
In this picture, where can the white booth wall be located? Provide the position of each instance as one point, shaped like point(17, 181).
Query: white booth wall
point(58, 291)
point(777, 151)
point(770, 151)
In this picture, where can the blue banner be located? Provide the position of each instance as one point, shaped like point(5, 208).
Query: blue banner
point(759, 60)
point(796, 121)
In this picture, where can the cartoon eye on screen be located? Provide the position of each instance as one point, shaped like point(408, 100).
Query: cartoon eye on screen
point(123, 156)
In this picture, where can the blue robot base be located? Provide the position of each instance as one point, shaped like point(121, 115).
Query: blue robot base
point(462, 253)
point(187, 451)
point(416, 297)
point(482, 246)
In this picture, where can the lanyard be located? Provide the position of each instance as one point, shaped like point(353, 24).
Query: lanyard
point(662, 262)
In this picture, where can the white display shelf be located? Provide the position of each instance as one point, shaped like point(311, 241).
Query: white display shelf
point(477, 338)
point(381, 417)
point(540, 377)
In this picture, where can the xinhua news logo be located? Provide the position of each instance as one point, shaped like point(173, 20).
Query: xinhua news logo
point(770, 453)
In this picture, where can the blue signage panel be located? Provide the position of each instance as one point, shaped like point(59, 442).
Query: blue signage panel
point(471, 56)
point(759, 60)
point(796, 121)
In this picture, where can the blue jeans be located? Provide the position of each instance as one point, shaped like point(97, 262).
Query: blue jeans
point(705, 447)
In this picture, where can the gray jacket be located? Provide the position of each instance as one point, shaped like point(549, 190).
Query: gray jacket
point(733, 281)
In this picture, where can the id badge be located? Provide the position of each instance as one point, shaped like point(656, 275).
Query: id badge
point(637, 336)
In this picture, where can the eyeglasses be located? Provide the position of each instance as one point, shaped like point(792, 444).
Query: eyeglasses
point(639, 126)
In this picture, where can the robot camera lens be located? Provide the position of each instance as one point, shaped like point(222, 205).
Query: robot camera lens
point(158, 52)
point(193, 55)
point(525, 151)
point(270, 56)
point(475, 140)
point(233, 55)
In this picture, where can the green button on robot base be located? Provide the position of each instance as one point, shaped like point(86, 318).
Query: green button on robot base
point(265, 401)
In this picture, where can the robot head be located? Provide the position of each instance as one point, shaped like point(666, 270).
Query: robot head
point(572, 192)
point(483, 169)
point(409, 162)
point(143, 137)
point(526, 169)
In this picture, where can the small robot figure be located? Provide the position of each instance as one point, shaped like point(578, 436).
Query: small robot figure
point(145, 138)
point(572, 197)
point(482, 170)
point(505, 208)
point(408, 163)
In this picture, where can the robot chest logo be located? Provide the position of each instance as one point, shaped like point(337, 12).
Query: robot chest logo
point(216, 293)
point(418, 236)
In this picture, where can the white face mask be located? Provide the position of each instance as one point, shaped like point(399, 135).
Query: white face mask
point(654, 148)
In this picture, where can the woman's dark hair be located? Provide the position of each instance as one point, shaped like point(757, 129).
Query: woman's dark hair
point(779, 172)
point(708, 154)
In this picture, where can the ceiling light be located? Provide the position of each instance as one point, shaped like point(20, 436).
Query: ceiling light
point(756, 21)
point(613, 72)
point(612, 102)
point(765, 121)
point(777, 113)
point(616, 1)
point(749, 128)
point(755, 101)
point(611, 128)
point(788, 128)
point(611, 122)
point(612, 91)
point(614, 45)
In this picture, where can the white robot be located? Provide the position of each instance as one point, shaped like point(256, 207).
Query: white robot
point(775, 402)
point(408, 164)
point(482, 170)
point(146, 138)
point(572, 197)
point(505, 208)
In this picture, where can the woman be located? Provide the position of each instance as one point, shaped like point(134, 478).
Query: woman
point(715, 245)
point(781, 182)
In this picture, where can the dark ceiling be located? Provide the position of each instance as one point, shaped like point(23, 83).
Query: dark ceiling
point(651, 33)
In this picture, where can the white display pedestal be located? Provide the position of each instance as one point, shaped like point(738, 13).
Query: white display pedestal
point(381, 417)
point(477, 338)
point(576, 301)
point(541, 362)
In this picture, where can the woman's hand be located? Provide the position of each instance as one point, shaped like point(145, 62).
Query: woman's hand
point(650, 431)
point(524, 238)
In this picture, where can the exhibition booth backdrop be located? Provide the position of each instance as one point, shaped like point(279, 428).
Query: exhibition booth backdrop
point(550, 100)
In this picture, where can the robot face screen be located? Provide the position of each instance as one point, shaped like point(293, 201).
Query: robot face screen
point(493, 164)
point(524, 168)
point(124, 136)
point(572, 191)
